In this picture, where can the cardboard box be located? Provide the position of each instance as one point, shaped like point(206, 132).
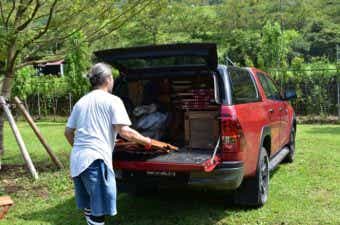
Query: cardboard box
point(201, 129)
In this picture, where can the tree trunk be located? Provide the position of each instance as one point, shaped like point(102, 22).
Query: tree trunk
point(5, 91)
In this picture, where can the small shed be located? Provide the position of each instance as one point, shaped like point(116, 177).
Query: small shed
point(50, 68)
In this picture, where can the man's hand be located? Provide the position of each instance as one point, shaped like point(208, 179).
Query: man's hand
point(69, 134)
point(132, 135)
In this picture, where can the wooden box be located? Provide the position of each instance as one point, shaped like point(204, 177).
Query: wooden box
point(5, 203)
point(201, 129)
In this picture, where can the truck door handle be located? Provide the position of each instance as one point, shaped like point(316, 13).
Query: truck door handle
point(271, 110)
point(281, 109)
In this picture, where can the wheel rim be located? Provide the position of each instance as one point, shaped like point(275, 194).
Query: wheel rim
point(264, 176)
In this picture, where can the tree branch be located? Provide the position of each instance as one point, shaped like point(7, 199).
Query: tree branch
point(46, 14)
point(10, 13)
point(2, 13)
point(116, 18)
point(41, 33)
point(31, 53)
point(25, 24)
point(91, 39)
point(26, 6)
point(79, 27)
point(20, 11)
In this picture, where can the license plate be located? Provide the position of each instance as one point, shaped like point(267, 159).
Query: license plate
point(161, 173)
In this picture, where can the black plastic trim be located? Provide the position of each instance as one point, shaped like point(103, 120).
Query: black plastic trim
point(230, 165)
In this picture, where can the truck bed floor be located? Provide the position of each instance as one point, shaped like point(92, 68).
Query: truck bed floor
point(183, 156)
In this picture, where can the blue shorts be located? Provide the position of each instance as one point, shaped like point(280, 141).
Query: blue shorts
point(95, 188)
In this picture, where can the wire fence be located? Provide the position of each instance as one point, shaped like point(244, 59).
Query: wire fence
point(318, 90)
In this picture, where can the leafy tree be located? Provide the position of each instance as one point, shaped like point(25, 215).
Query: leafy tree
point(77, 63)
point(28, 26)
point(271, 45)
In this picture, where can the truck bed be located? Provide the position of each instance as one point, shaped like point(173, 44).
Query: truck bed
point(182, 156)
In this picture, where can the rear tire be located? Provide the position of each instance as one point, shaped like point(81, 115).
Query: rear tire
point(291, 155)
point(254, 191)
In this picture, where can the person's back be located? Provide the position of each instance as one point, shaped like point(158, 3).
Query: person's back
point(93, 117)
point(92, 129)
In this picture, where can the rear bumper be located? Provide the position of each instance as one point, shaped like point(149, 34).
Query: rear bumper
point(226, 176)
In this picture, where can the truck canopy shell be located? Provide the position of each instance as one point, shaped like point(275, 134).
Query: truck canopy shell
point(162, 60)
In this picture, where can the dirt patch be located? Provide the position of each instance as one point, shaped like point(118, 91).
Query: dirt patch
point(13, 189)
point(20, 170)
point(13, 171)
point(10, 186)
point(41, 191)
point(318, 119)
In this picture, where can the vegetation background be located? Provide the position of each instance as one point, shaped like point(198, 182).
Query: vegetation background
point(295, 41)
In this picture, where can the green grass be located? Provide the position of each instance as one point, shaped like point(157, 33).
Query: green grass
point(305, 192)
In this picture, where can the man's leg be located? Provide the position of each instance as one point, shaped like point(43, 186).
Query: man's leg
point(96, 184)
point(82, 197)
point(96, 220)
point(87, 213)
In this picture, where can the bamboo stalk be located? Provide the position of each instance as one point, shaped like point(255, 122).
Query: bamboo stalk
point(18, 138)
point(38, 133)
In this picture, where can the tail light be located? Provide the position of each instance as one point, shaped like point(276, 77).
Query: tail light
point(231, 133)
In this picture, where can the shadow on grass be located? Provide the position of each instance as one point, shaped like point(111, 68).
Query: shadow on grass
point(63, 213)
point(13, 170)
point(276, 169)
point(185, 206)
point(324, 129)
point(51, 124)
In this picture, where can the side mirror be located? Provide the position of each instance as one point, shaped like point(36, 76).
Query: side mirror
point(289, 94)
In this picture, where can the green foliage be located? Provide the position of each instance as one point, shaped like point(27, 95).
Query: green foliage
point(272, 45)
point(310, 28)
point(28, 83)
point(242, 47)
point(77, 64)
point(23, 83)
point(314, 83)
point(287, 38)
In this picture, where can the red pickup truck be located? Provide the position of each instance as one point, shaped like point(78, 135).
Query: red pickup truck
point(232, 125)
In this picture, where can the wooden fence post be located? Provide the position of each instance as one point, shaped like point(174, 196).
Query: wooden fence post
point(70, 102)
point(18, 138)
point(338, 97)
point(38, 133)
point(39, 110)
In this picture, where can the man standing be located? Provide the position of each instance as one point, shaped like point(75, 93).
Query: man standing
point(92, 129)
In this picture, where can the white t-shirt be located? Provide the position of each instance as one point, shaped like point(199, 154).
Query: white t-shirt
point(92, 117)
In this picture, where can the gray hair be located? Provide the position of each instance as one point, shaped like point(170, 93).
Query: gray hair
point(98, 74)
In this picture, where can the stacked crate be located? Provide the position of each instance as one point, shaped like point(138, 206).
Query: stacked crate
point(187, 98)
point(201, 127)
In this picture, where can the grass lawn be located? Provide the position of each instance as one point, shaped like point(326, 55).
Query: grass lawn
point(305, 192)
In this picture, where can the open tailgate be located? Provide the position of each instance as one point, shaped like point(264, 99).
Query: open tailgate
point(172, 162)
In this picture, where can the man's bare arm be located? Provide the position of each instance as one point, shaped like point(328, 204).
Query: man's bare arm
point(132, 135)
point(69, 134)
